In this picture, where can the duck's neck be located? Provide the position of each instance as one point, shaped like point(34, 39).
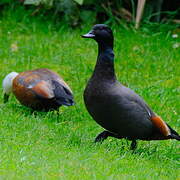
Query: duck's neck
point(104, 69)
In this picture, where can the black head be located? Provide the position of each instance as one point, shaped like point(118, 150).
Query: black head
point(101, 33)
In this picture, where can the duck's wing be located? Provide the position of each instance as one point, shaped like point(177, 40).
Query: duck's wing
point(63, 94)
point(46, 84)
point(157, 121)
point(31, 84)
point(52, 76)
point(42, 89)
point(53, 90)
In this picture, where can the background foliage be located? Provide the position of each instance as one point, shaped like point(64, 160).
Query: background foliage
point(77, 12)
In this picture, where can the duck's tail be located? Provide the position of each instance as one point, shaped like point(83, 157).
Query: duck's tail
point(165, 130)
point(174, 134)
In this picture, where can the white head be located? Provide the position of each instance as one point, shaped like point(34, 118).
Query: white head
point(7, 84)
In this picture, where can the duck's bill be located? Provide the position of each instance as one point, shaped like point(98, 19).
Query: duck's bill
point(6, 98)
point(88, 35)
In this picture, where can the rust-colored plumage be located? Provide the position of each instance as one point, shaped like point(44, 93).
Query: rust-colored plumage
point(42, 89)
point(161, 125)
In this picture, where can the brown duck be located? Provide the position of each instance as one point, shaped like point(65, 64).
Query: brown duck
point(118, 109)
point(39, 89)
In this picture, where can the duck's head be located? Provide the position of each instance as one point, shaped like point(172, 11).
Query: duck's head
point(7, 85)
point(101, 33)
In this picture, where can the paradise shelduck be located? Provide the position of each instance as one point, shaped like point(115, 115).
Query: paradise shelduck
point(39, 89)
point(118, 109)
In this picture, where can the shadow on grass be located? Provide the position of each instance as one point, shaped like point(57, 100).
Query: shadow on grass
point(50, 116)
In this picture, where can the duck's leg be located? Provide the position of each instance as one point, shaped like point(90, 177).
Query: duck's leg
point(104, 135)
point(133, 145)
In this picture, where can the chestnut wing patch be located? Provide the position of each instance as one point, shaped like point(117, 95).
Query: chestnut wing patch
point(43, 89)
point(161, 125)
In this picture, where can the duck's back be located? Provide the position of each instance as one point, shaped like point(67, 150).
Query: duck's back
point(36, 88)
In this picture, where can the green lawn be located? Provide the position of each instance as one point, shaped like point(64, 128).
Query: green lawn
point(39, 145)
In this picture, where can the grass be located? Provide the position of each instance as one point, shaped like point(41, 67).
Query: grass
point(39, 145)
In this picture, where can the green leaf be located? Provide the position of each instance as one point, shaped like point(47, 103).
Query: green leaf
point(79, 1)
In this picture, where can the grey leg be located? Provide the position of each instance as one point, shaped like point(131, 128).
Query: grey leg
point(133, 145)
point(104, 135)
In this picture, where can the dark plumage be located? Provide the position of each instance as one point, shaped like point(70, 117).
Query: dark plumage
point(118, 109)
point(39, 89)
